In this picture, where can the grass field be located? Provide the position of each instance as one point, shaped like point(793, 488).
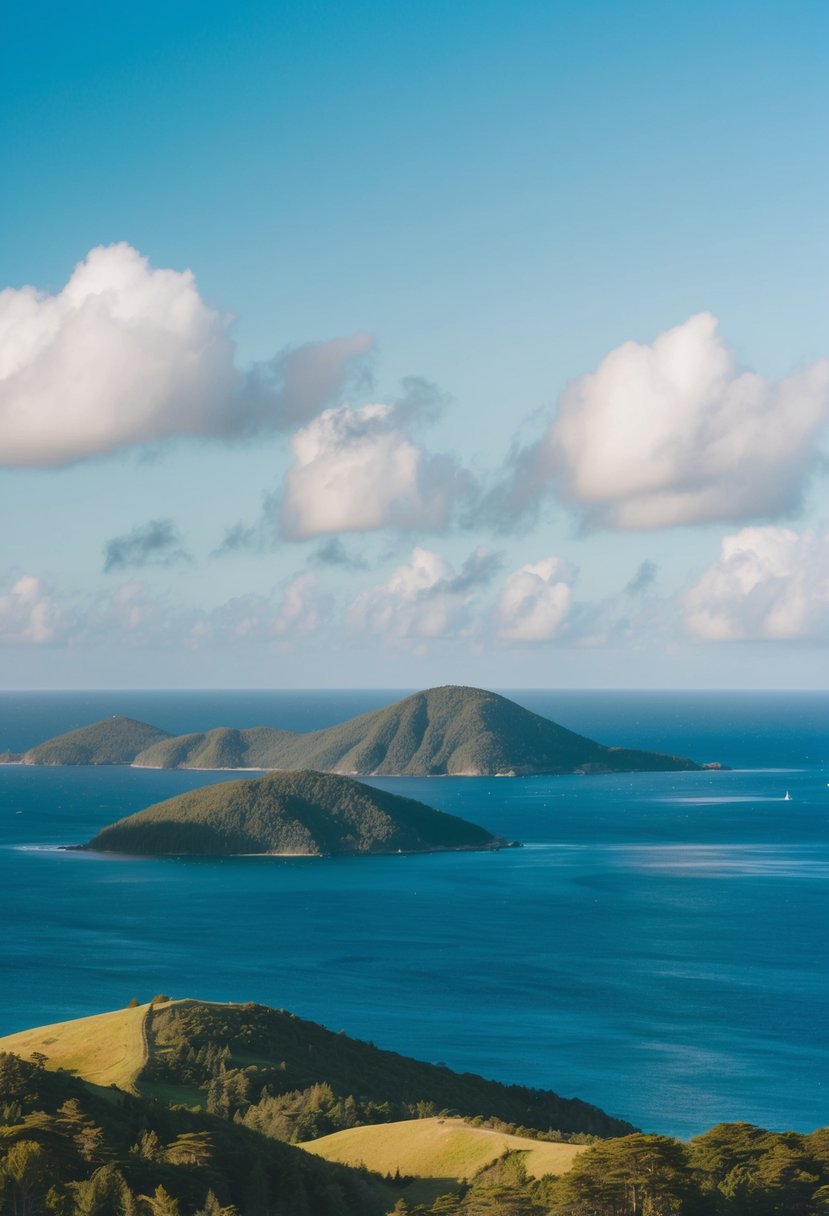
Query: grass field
point(438, 1148)
point(106, 1049)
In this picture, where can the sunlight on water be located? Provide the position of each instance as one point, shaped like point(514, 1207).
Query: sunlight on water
point(658, 946)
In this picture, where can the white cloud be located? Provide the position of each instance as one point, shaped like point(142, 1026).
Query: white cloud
point(298, 610)
point(535, 601)
point(674, 433)
point(357, 470)
point(424, 597)
point(29, 614)
point(127, 354)
point(769, 584)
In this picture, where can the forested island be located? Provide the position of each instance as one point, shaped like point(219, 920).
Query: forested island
point(192, 1108)
point(290, 814)
point(452, 730)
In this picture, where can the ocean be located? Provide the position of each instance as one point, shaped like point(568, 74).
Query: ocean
point(659, 946)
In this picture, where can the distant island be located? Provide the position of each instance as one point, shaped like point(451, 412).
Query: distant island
point(447, 731)
point(292, 814)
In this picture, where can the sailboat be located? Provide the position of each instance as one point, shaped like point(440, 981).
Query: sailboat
point(787, 797)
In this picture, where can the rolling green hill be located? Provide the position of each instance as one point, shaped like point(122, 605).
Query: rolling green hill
point(300, 813)
point(449, 730)
point(446, 1148)
point(254, 1077)
point(70, 1150)
point(295, 1061)
point(113, 741)
point(104, 1049)
point(247, 1060)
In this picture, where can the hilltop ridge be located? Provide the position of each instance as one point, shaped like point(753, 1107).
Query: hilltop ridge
point(173, 1047)
point(115, 740)
point(449, 730)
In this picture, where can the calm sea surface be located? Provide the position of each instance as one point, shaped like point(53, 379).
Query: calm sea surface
point(659, 947)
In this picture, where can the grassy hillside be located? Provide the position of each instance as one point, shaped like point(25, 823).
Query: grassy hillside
point(449, 730)
point(300, 813)
point(68, 1151)
point(444, 1148)
point(105, 1049)
point(114, 740)
point(268, 1049)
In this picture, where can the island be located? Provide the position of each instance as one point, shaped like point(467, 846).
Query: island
point(305, 814)
point(446, 731)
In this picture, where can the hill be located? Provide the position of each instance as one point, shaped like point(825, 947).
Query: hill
point(70, 1150)
point(283, 1076)
point(449, 730)
point(104, 1049)
point(296, 813)
point(303, 1081)
point(114, 740)
point(439, 1148)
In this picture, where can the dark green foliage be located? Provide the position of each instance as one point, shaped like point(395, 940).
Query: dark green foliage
point(113, 741)
point(304, 813)
point(442, 730)
point(293, 1079)
point(182, 1157)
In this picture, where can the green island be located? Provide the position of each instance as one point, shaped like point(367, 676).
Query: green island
point(450, 730)
point(290, 814)
point(196, 1108)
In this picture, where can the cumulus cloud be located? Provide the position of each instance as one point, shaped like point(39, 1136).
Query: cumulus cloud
point(29, 613)
point(675, 433)
point(769, 584)
point(156, 543)
point(359, 470)
point(127, 354)
point(535, 601)
point(424, 597)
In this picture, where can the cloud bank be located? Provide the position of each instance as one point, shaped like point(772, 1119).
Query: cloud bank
point(424, 597)
point(769, 584)
point(127, 354)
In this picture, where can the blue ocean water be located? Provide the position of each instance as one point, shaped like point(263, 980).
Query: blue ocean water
point(659, 947)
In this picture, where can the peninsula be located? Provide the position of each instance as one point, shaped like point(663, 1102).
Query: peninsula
point(452, 730)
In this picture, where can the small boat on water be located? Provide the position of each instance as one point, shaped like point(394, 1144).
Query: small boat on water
point(787, 797)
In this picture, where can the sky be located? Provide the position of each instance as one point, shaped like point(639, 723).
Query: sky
point(358, 345)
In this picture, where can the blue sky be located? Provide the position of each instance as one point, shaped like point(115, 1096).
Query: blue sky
point(501, 357)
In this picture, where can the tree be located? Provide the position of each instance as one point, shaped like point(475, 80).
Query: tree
point(212, 1207)
point(190, 1148)
point(106, 1193)
point(634, 1176)
point(148, 1147)
point(25, 1174)
point(161, 1203)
